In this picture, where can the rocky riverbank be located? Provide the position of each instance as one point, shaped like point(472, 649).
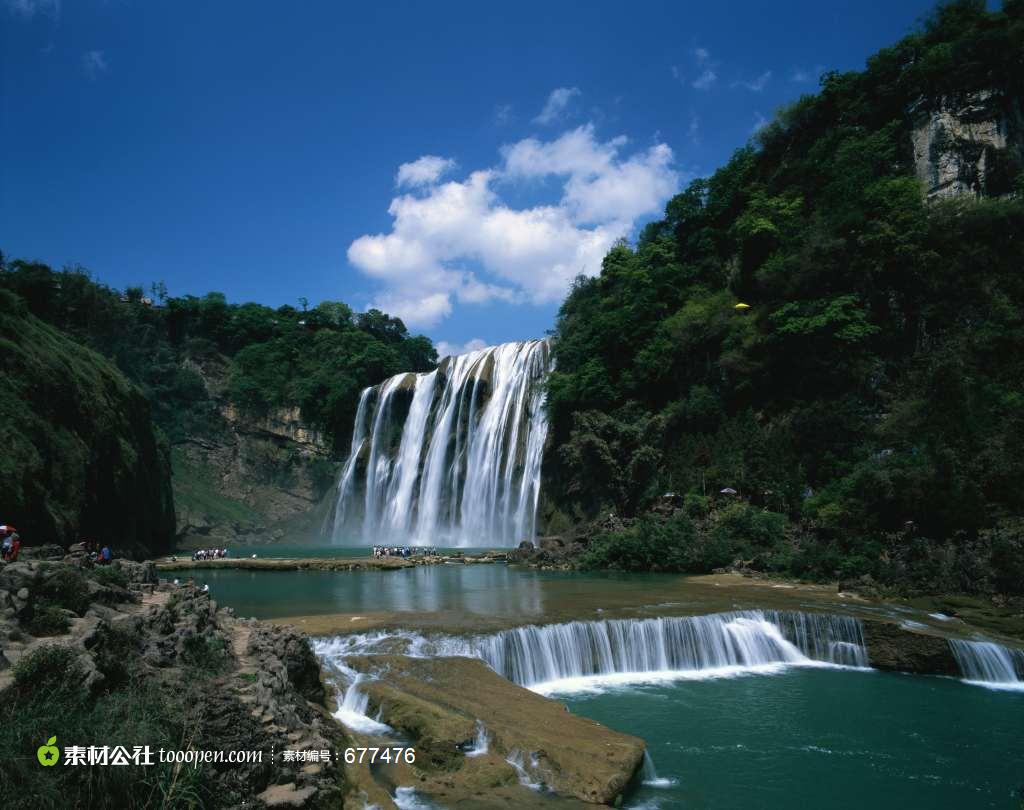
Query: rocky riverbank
point(112, 657)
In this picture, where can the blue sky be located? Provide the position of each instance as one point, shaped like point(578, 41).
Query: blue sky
point(455, 163)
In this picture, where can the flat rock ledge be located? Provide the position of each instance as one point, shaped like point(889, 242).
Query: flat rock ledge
point(438, 703)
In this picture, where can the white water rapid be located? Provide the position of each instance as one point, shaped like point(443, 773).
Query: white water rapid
point(986, 663)
point(594, 654)
point(449, 457)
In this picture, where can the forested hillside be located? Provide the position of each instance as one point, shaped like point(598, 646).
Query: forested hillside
point(253, 401)
point(867, 404)
point(81, 457)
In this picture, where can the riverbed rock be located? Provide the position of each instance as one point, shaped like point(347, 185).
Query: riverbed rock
point(438, 702)
point(895, 648)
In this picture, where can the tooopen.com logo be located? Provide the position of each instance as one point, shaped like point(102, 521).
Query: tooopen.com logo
point(49, 753)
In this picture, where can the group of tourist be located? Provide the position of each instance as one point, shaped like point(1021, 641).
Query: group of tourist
point(11, 542)
point(98, 555)
point(210, 554)
point(403, 551)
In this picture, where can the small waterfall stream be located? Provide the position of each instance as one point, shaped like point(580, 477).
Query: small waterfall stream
point(448, 457)
point(989, 664)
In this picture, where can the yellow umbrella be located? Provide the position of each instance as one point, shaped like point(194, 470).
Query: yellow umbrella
point(741, 305)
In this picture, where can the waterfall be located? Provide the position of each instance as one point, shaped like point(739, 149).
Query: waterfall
point(585, 654)
point(451, 456)
point(567, 656)
point(352, 710)
point(481, 742)
point(649, 776)
point(989, 664)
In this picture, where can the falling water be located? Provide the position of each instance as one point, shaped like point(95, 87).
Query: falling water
point(352, 710)
point(567, 656)
point(481, 742)
point(989, 664)
point(649, 775)
point(581, 655)
point(451, 456)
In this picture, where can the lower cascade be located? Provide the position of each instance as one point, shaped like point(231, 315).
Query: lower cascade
point(565, 656)
point(989, 664)
point(448, 457)
point(553, 656)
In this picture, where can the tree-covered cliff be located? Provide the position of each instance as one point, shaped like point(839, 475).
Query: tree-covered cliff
point(80, 455)
point(868, 406)
point(256, 403)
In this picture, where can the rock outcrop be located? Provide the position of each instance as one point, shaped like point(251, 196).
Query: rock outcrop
point(238, 685)
point(441, 703)
point(253, 474)
point(893, 648)
point(969, 145)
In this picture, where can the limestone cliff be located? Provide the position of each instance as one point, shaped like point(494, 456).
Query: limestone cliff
point(971, 144)
point(258, 476)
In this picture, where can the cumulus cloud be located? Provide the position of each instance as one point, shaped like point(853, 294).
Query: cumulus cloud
point(427, 169)
point(755, 85)
point(557, 104)
point(460, 242)
point(444, 348)
point(95, 63)
point(27, 9)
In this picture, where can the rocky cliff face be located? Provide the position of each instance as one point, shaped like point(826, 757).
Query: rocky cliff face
point(81, 457)
point(259, 476)
point(968, 145)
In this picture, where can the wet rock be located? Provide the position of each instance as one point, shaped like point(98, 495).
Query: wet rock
point(894, 648)
point(437, 702)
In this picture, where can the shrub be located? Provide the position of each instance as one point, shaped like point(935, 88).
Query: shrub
point(48, 620)
point(47, 666)
point(65, 587)
point(110, 575)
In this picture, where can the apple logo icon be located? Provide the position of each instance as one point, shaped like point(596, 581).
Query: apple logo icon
point(48, 754)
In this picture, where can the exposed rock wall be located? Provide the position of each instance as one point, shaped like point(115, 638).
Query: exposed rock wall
point(255, 474)
point(967, 145)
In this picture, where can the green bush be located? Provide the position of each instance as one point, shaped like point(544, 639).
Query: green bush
point(110, 575)
point(47, 667)
point(65, 587)
point(48, 620)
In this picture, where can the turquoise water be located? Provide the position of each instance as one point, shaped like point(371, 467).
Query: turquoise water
point(488, 591)
point(823, 739)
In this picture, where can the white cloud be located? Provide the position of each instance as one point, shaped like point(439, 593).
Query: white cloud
point(27, 9)
point(693, 129)
point(95, 63)
point(760, 122)
point(708, 69)
point(800, 76)
point(706, 79)
point(427, 169)
point(557, 104)
point(755, 85)
point(503, 114)
point(444, 348)
point(460, 242)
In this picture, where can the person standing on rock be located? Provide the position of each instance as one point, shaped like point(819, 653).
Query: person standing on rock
point(12, 556)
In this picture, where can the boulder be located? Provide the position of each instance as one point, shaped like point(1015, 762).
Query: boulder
point(897, 649)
